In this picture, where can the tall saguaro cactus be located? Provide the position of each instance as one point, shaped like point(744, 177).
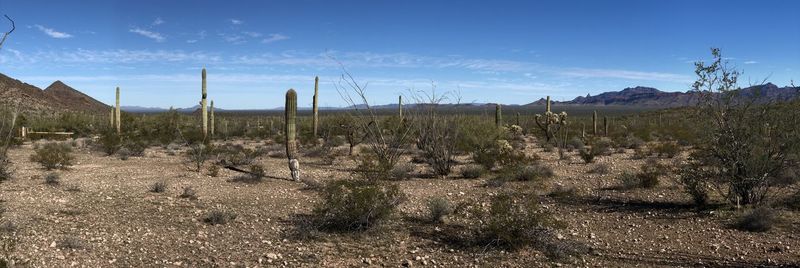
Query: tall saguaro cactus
point(117, 115)
point(550, 122)
point(290, 114)
point(111, 117)
point(605, 126)
point(400, 106)
point(211, 111)
point(594, 123)
point(203, 107)
point(498, 115)
point(316, 107)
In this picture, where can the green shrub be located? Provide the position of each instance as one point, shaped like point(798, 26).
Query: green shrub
point(601, 169)
point(472, 171)
point(213, 171)
point(110, 142)
point(761, 219)
point(402, 171)
point(438, 208)
point(667, 149)
point(513, 221)
point(534, 172)
point(349, 205)
point(587, 155)
point(54, 156)
point(575, 143)
point(628, 180)
point(652, 170)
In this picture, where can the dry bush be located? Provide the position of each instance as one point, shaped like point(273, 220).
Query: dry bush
point(472, 171)
point(601, 169)
point(71, 242)
point(189, 193)
point(52, 178)
point(6, 170)
point(402, 171)
point(667, 149)
point(54, 155)
point(158, 187)
point(219, 217)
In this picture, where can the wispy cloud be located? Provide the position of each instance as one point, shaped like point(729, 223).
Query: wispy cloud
point(149, 34)
point(750, 62)
point(200, 36)
point(53, 33)
point(252, 34)
point(274, 38)
point(624, 74)
point(158, 21)
point(236, 21)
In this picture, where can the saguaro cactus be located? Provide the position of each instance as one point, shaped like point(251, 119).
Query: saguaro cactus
point(550, 122)
point(498, 115)
point(203, 107)
point(117, 115)
point(290, 114)
point(594, 123)
point(111, 118)
point(211, 111)
point(316, 108)
point(605, 126)
point(400, 106)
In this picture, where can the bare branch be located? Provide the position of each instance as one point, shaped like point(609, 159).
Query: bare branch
point(13, 27)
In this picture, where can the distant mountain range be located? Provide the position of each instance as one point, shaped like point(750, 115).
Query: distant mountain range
point(60, 97)
point(651, 97)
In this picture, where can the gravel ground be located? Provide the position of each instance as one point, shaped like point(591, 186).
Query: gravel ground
point(102, 214)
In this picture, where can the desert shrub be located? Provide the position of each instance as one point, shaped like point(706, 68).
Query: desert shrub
point(601, 169)
point(500, 153)
point(236, 155)
point(189, 192)
point(691, 177)
point(438, 139)
point(641, 153)
point(760, 219)
point(602, 146)
point(548, 147)
point(349, 205)
point(587, 155)
point(632, 142)
point(438, 208)
point(628, 180)
point(197, 155)
point(219, 217)
point(667, 149)
point(52, 178)
point(255, 174)
point(6, 172)
point(513, 221)
point(135, 146)
point(534, 172)
point(652, 170)
point(54, 156)
point(575, 143)
point(123, 154)
point(562, 192)
point(213, 171)
point(793, 201)
point(401, 171)
point(745, 144)
point(109, 141)
point(71, 242)
point(472, 171)
point(72, 187)
point(158, 187)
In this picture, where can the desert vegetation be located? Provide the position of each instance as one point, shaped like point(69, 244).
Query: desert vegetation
point(425, 184)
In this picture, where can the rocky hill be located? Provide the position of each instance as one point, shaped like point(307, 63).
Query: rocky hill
point(58, 97)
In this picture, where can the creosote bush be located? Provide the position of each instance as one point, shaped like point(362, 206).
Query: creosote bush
point(356, 205)
point(472, 171)
point(5, 169)
point(667, 149)
point(513, 221)
point(760, 219)
point(189, 193)
point(401, 171)
point(219, 217)
point(54, 155)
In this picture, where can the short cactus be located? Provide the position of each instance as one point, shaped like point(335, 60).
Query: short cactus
point(290, 114)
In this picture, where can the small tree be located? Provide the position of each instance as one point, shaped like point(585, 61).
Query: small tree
point(748, 142)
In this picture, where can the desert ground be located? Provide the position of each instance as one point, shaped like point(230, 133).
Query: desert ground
point(102, 214)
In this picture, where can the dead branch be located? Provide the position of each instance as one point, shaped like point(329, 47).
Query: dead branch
point(5, 35)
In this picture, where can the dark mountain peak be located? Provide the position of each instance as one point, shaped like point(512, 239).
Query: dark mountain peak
point(59, 86)
point(640, 89)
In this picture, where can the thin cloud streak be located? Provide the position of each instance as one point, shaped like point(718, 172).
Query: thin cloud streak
point(149, 34)
point(53, 33)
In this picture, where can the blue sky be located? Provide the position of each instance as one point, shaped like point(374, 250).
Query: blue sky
point(490, 51)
